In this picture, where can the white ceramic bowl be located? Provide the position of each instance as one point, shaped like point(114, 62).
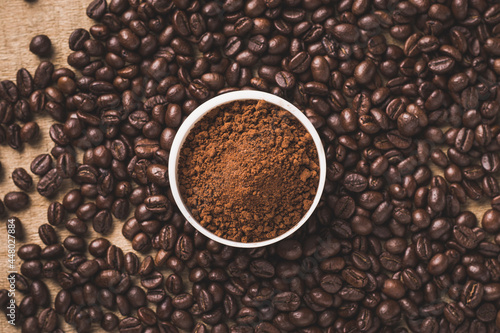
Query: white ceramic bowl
point(201, 111)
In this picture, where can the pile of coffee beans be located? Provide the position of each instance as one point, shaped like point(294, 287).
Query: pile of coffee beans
point(393, 87)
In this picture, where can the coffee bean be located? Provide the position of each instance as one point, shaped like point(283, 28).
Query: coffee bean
point(24, 82)
point(66, 165)
point(49, 184)
point(40, 293)
point(130, 324)
point(41, 45)
point(453, 314)
point(354, 277)
point(302, 317)
point(47, 320)
point(77, 39)
point(16, 201)
point(465, 237)
point(182, 319)
point(109, 322)
point(41, 164)
point(300, 62)
point(355, 182)
point(88, 268)
point(286, 301)
point(28, 306)
point(96, 9)
point(29, 252)
point(29, 132)
point(32, 269)
point(22, 179)
point(47, 234)
point(346, 32)
point(14, 137)
point(102, 222)
point(285, 80)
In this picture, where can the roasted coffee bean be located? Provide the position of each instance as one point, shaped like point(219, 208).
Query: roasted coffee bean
point(22, 179)
point(285, 80)
point(40, 293)
point(354, 277)
point(491, 221)
point(355, 182)
point(41, 45)
point(109, 322)
point(52, 268)
point(14, 136)
point(152, 281)
point(43, 74)
point(47, 234)
point(453, 314)
point(16, 201)
point(47, 320)
point(56, 213)
point(50, 183)
point(300, 62)
point(182, 319)
point(29, 132)
point(102, 222)
point(346, 32)
point(41, 164)
point(302, 317)
point(66, 165)
point(130, 324)
point(31, 269)
point(29, 252)
point(286, 301)
point(24, 82)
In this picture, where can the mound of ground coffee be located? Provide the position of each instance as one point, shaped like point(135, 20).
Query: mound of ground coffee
point(248, 171)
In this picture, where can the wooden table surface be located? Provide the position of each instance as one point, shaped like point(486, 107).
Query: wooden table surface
point(21, 21)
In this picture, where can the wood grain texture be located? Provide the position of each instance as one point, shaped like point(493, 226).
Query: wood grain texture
point(20, 22)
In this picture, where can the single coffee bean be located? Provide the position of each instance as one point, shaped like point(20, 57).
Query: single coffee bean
point(491, 221)
point(286, 301)
point(29, 252)
point(16, 201)
point(29, 132)
point(102, 222)
point(50, 183)
point(56, 213)
point(47, 320)
point(66, 165)
point(24, 82)
point(47, 234)
point(41, 45)
point(40, 293)
point(182, 319)
point(285, 80)
point(22, 179)
point(302, 317)
point(14, 136)
point(77, 39)
point(130, 324)
point(41, 164)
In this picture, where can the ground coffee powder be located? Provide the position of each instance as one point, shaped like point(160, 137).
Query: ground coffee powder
point(248, 171)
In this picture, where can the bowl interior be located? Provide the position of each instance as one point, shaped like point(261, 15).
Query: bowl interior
point(197, 115)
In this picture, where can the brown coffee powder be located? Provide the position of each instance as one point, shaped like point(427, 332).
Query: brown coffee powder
point(248, 171)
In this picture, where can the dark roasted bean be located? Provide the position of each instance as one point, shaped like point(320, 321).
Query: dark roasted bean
point(41, 45)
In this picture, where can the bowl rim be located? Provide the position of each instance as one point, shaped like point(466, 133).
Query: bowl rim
point(197, 115)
